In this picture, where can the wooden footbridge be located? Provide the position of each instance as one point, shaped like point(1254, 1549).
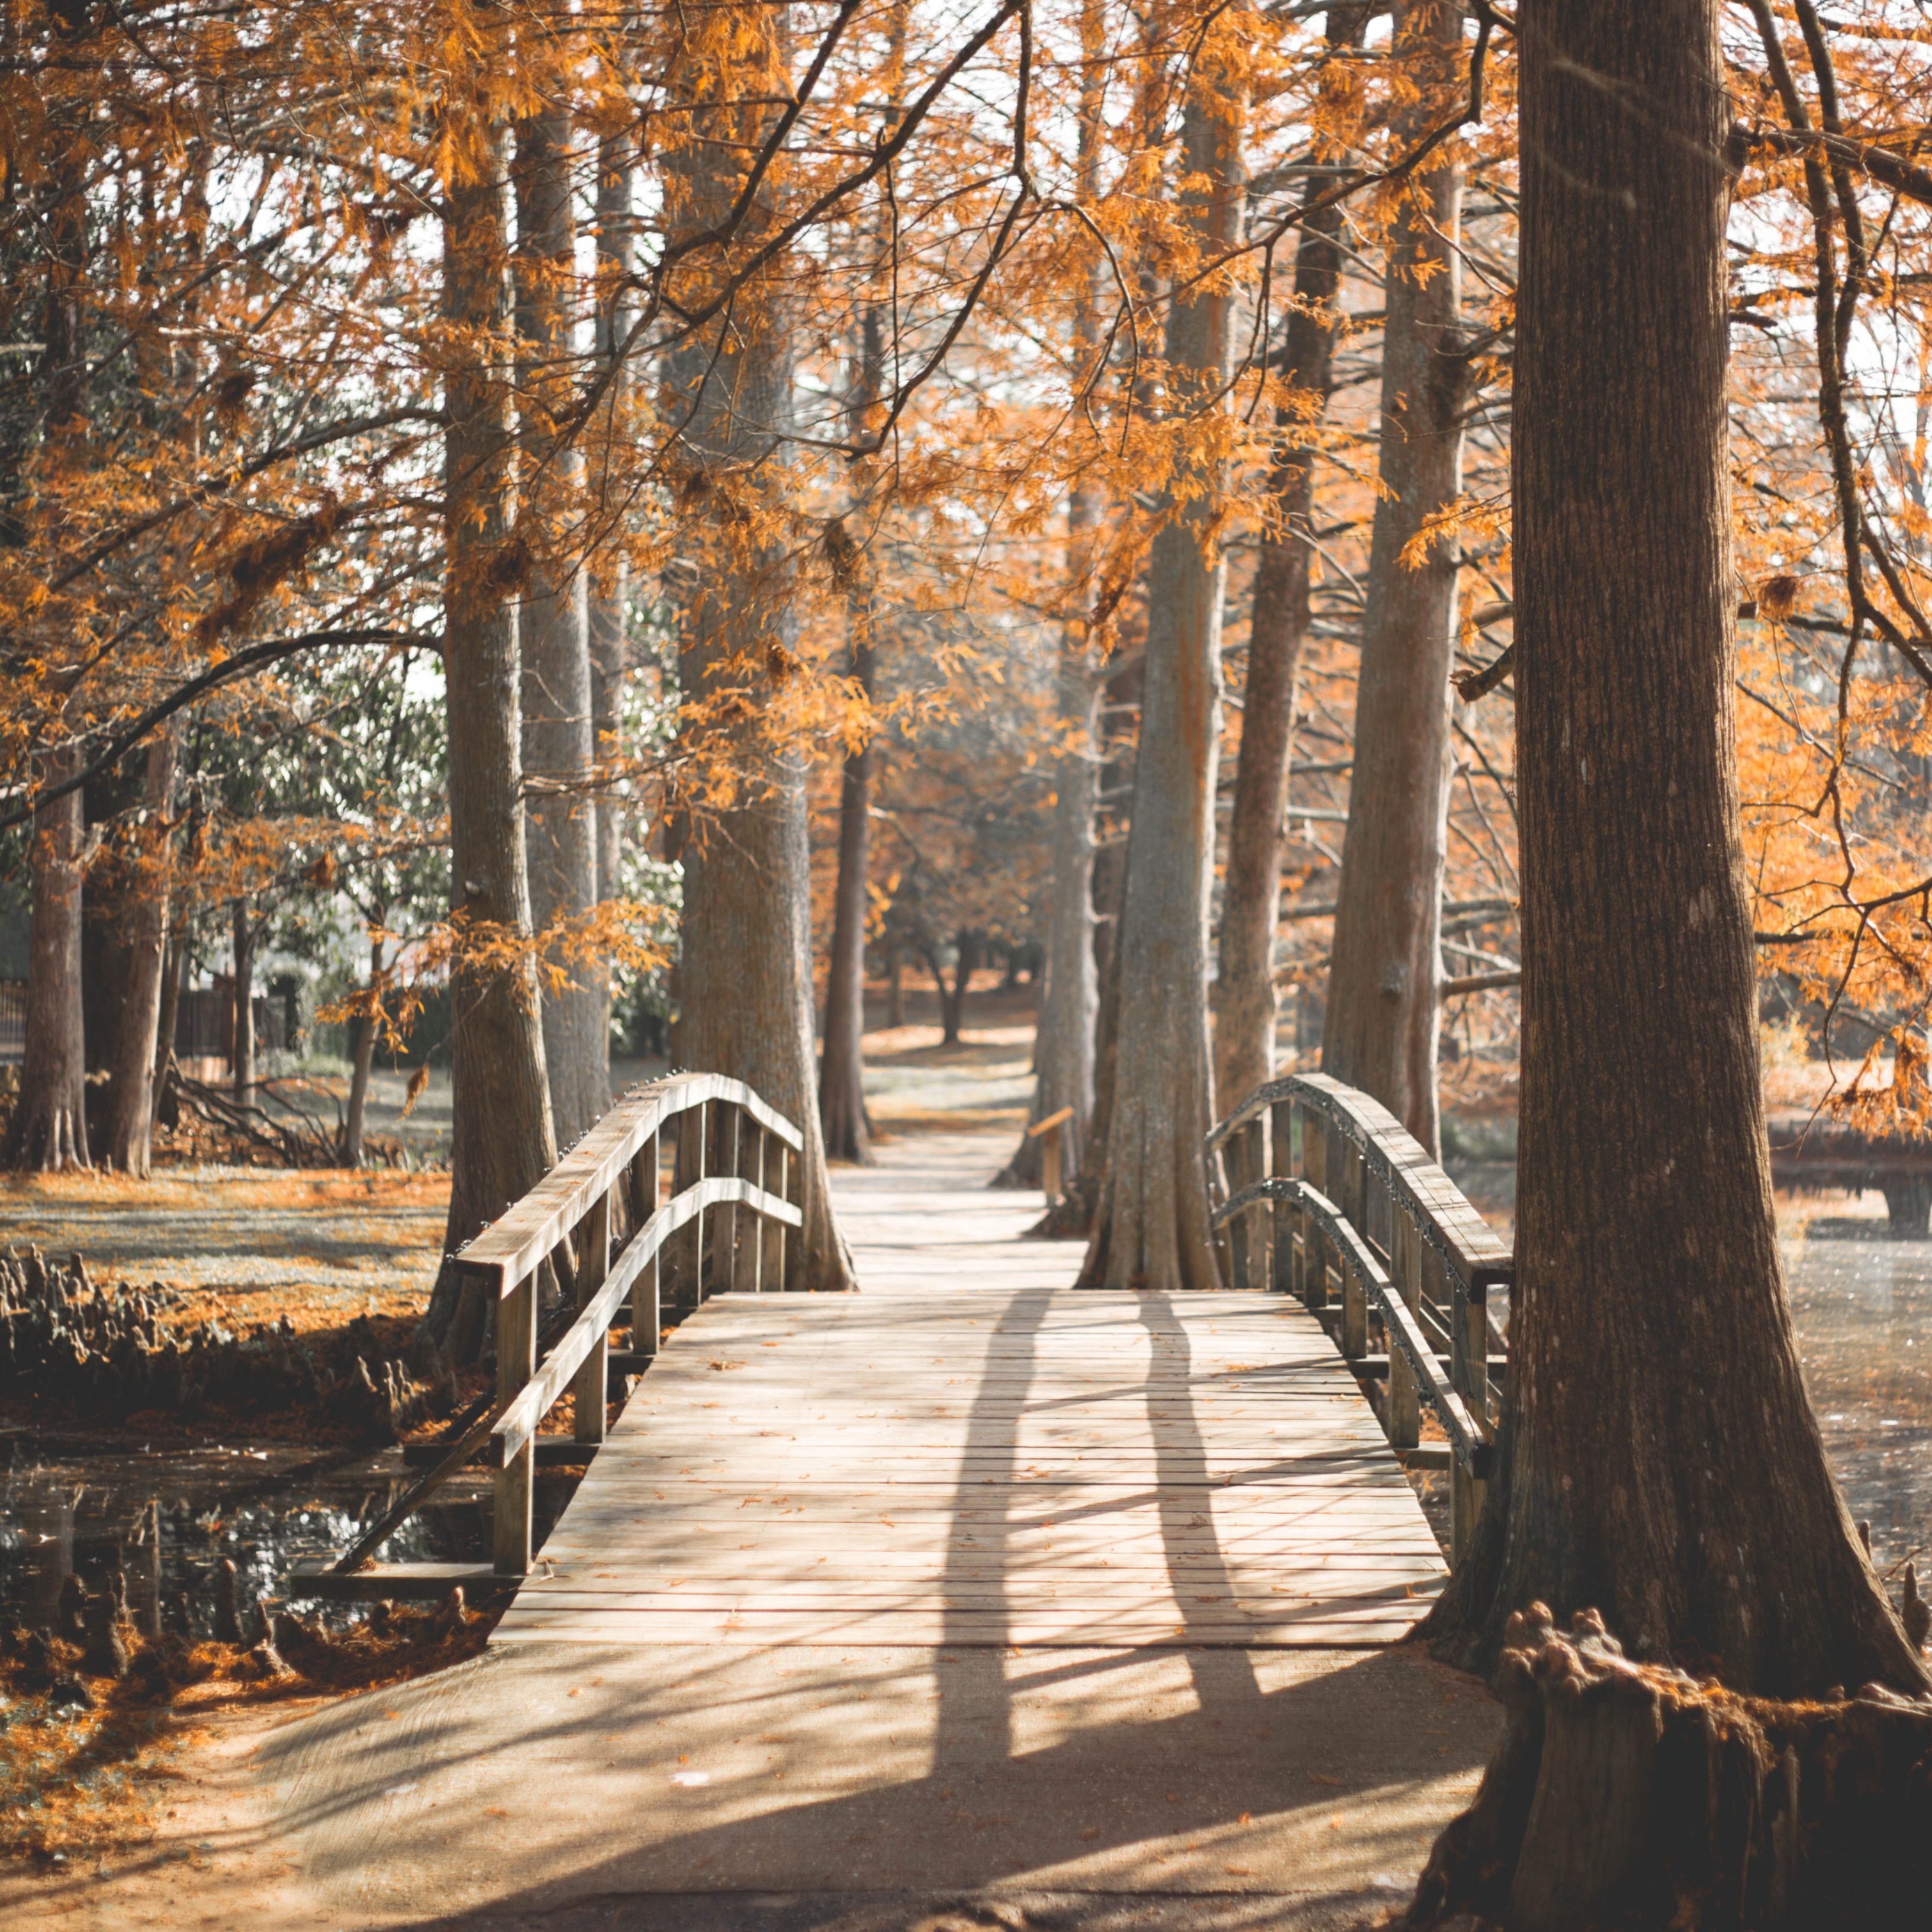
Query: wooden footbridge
point(970, 1451)
point(971, 1599)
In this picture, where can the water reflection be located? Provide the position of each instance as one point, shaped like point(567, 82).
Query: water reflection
point(1861, 1302)
point(167, 1519)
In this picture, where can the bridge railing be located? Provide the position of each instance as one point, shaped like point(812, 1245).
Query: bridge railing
point(1326, 1196)
point(600, 1225)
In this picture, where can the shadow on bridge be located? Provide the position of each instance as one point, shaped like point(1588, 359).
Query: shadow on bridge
point(855, 1785)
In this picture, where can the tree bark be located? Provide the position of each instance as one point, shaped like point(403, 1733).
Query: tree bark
point(131, 1094)
point(241, 1042)
point(1383, 1005)
point(50, 1128)
point(502, 1142)
point(896, 988)
point(745, 965)
point(365, 1062)
point(1664, 1464)
point(560, 815)
point(1151, 1229)
point(1245, 1003)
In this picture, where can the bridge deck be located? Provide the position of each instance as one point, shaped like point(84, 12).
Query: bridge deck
point(970, 1452)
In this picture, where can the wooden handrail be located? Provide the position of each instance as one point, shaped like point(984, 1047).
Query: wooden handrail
point(1404, 1330)
point(519, 1421)
point(596, 1222)
point(1370, 1206)
point(515, 1245)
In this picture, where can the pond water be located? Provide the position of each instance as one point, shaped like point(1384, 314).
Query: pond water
point(1861, 1302)
point(1862, 1305)
point(168, 1518)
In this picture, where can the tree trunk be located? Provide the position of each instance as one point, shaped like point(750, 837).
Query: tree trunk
point(502, 1143)
point(1628, 1795)
point(896, 988)
point(164, 1109)
point(1064, 1042)
point(1664, 1464)
point(49, 1129)
point(841, 1072)
point(131, 1094)
point(609, 589)
point(560, 816)
point(364, 1061)
point(1151, 1228)
point(242, 1051)
point(1244, 990)
point(745, 968)
point(1062, 1053)
point(953, 998)
point(1384, 974)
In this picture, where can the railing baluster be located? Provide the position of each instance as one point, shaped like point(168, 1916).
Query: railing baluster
point(516, 1362)
point(751, 1166)
point(591, 1391)
point(791, 1188)
point(1468, 1375)
point(646, 1315)
point(1405, 1400)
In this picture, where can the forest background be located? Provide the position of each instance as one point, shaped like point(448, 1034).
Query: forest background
point(666, 497)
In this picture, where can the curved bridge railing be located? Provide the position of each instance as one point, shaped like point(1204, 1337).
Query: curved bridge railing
point(600, 1226)
point(1326, 1196)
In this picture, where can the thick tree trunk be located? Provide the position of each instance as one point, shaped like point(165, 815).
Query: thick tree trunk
point(242, 1040)
point(1151, 1227)
point(363, 1063)
point(49, 1129)
point(745, 965)
point(1244, 990)
point(560, 816)
point(1664, 1464)
point(131, 1094)
point(502, 1143)
point(1383, 975)
point(1628, 1795)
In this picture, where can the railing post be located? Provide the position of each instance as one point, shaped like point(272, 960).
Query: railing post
point(772, 1234)
point(751, 1166)
point(726, 1117)
point(590, 1389)
point(1282, 1273)
point(1404, 1401)
point(647, 1315)
point(516, 1362)
point(1234, 1161)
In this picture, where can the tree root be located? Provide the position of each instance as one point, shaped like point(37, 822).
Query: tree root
point(1628, 1797)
